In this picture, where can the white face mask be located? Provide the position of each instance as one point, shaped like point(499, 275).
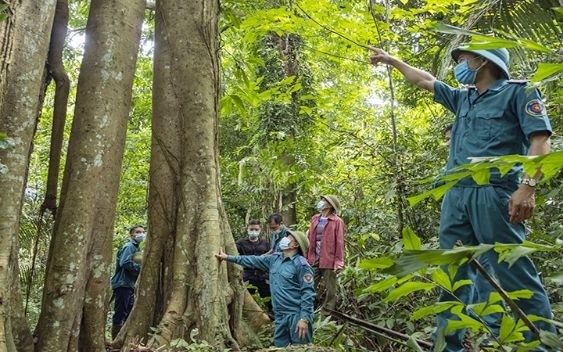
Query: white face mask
point(284, 243)
point(321, 205)
point(140, 237)
point(253, 234)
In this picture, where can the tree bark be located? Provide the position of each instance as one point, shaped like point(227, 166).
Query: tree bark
point(80, 255)
point(56, 70)
point(24, 38)
point(186, 217)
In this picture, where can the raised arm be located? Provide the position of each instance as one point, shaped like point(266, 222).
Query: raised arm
point(414, 75)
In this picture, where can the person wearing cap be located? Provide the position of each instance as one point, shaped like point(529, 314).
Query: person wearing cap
point(495, 116)
point(326, 253)
point(291, 285)
point(124, 279)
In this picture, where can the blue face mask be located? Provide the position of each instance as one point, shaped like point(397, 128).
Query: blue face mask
point(284, 243)
point(465, 74)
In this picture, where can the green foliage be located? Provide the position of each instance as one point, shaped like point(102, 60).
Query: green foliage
point(414, 271)
point(550, 164)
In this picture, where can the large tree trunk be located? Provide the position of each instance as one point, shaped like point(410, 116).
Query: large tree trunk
point(186, 217)
point(80, 253)
point(24, 39)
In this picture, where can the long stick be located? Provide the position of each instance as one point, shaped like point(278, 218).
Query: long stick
point(506, 298)
point(394, 335)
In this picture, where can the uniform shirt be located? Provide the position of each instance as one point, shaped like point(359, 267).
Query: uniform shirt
point(291, 282)
point(126, 270)
point(246, 247)
point(498, 122)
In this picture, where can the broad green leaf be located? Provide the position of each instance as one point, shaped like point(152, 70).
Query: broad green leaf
point(436, 193)
point(465, 322)
point(407, 288)
point(433, 309)
point(485, 308)
point(546, 70)
point(410, 240)
point(381, 285)
point(518, 294)
point(376, 263)
point(442, 279)
point(461, 283)
point(481, 176)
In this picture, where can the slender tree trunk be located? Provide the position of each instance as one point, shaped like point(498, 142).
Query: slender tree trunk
point(79, 260)
point(24, 38)
point(56, 69)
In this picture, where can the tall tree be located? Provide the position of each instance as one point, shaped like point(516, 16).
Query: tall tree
point(182, 286)
point(80, 254)
point(24, 39)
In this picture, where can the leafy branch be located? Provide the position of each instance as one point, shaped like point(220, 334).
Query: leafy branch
point(550, 164)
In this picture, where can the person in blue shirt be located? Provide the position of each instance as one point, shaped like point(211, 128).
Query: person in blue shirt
point(291, 285)
point(494, 117)
point(124, 278)
point(277, 230)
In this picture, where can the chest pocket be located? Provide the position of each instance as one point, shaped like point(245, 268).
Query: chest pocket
point(287, 276)
point(488, 123)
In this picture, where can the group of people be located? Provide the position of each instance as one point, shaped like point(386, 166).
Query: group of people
point(495, 116)
point(293, 268)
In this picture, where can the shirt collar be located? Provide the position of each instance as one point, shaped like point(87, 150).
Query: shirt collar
point(498, 85)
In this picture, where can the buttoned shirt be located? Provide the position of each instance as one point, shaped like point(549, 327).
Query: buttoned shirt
point(498, 122)
point(291, 282)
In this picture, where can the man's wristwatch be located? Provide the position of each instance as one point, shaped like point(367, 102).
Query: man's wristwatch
point(532, 182)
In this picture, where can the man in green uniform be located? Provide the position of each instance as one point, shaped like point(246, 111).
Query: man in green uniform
point(291, 285)
point(494, 117)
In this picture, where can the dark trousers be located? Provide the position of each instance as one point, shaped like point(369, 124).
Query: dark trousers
point(124, 298)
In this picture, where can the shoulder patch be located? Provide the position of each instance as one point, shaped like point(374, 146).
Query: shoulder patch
point(308, 278)
point(535, 108)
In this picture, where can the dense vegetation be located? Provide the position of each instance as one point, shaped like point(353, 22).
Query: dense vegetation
point(303, 113)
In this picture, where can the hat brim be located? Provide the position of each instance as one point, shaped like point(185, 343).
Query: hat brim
point(334, 206)
point(487, 55)
point(301, 238)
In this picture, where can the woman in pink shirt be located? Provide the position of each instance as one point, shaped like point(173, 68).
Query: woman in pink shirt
point(326, 250)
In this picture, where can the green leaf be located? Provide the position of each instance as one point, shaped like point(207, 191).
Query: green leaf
point(461, 283)
point(436, 193)
point(381, 285)
point(546, 70)
point(442, 279)
point(433, 309)
point(407, 288)
point(376, 263)
point(410, 240)
point(552, 340)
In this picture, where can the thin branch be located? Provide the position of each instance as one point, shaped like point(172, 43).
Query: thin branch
point(334, 55)
point(330, 29)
